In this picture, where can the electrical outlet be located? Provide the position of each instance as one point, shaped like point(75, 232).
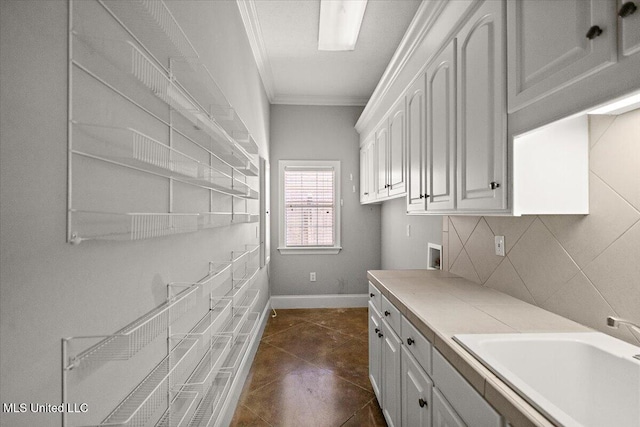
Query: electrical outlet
point(312, 276)
point(499, 242)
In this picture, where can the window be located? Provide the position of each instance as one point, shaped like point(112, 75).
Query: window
point(309, 207)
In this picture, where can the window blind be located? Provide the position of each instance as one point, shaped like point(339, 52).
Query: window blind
point(309, 198)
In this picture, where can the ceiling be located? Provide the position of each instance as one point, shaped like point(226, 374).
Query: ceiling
point(284, 39)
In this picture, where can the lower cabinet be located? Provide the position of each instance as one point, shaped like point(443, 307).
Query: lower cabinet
point(391, 380)
point(443, 413)
point(413, 382)
point(375, 350)
point(416, 393)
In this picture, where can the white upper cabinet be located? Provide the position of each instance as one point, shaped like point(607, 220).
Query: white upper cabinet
point(441, 131)
point(481, 147)
point(367, 175)
point(397, 144)
point(381, 162)
point(388, 157)
point(552, 44)
point(416, 158)
point(629, 26)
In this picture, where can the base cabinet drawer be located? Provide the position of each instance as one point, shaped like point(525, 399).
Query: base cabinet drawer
point(417, 344)
point(375, 297)
point(391, 315)
point(416, 393)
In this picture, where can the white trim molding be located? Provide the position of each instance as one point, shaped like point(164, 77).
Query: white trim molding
point(422, 22)
point(254, 33)
point(343, 101)
point(319, 301)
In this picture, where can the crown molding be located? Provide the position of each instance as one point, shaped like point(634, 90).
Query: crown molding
point(254, 33)
point(319, 100)
point(422, 22)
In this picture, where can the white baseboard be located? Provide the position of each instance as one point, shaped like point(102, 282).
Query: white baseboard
point(319, 301)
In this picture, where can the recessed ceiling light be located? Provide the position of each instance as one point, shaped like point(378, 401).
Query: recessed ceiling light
point(340, 22)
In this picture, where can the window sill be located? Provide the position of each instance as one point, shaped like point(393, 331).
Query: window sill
point(320, 250)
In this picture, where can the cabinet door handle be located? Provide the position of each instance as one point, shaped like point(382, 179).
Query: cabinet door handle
point(377, 330)
point(594, 32)
point(627, 9)
point(410, 341)
point(372, 295)
point(380, 335)
point(366, 194)
point(493, 185)
point(386, 313)
point(423, 403)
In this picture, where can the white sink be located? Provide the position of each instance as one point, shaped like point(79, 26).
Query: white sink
point(585, 379)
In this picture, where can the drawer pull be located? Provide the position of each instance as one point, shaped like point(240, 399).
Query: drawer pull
point(410, 341)
point(627, 9)
point(594, 32)
point(386, 313)
point(423, 403)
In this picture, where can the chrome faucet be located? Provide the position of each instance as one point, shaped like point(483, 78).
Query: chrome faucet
point(614, 322)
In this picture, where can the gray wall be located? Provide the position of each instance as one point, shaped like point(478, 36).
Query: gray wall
point(50, 289)
point(400, 251)
point(584, 267)
point(323, 133)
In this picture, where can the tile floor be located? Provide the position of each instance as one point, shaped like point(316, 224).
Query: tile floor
point(311, 369)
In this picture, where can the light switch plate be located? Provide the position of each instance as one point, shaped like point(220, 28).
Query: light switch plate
point(499, 242)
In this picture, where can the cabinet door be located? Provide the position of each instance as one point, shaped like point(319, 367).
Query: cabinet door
point(375, 351)
point(481, 148)
point(549, 48)
point(397, 150)
point(391, 403)
point(441, 131)
point(443, 413)
point(629, 25)
point(381, 161)
point(366, 171)
point(416, 393)
point(416, 159)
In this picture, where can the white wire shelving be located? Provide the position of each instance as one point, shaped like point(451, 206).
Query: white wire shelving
point(151, 54)
point(96, 225)
point(156, 28)
point(151, 394)
point(130, 148)
point(211, 404)
point(161, 121)
point(125, 343)
point(180, 410)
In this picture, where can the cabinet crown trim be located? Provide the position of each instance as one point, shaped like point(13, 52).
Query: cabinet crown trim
point(426, 16)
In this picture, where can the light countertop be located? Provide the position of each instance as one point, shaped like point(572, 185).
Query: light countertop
point(440, 305)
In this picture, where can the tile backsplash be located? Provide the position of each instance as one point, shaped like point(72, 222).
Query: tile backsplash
point(583, 267)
